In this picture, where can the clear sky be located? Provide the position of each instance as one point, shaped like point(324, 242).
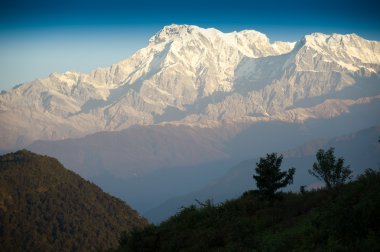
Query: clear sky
point(44, 36)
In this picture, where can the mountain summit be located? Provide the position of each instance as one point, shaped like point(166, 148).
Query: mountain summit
point(199, 77)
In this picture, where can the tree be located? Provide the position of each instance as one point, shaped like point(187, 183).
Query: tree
point(329, 170)
point(269, 177)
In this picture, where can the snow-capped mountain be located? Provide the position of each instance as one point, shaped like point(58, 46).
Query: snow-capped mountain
point(203, 77)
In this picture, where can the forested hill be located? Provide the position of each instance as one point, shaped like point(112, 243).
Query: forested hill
point(45, 207)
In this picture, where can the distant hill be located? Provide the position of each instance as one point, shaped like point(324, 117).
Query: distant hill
point(45, 207)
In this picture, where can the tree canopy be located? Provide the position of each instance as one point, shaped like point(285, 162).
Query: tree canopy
point(329, 170)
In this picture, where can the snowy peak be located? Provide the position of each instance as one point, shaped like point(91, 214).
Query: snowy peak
point(197, 50)
point(170, 32)
point(348, 49)
point(318, 38)
point(248, 42)
point(320, 52)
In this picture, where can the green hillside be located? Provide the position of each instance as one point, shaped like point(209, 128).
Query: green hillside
point(45, 207)
point(345, 218)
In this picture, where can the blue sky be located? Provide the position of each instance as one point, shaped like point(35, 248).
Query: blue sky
point(44, 36)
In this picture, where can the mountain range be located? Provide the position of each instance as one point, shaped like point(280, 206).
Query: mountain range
point(193, 103)
point(200, 78)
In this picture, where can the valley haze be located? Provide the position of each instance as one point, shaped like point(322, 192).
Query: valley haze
point(179, 113)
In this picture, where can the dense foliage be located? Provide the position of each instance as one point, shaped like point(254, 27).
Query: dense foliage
point(44, 207)
point(344, 219)
point(269, 178)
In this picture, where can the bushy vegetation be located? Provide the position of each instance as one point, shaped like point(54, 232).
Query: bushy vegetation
point(344, 218)
point(45, 207)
